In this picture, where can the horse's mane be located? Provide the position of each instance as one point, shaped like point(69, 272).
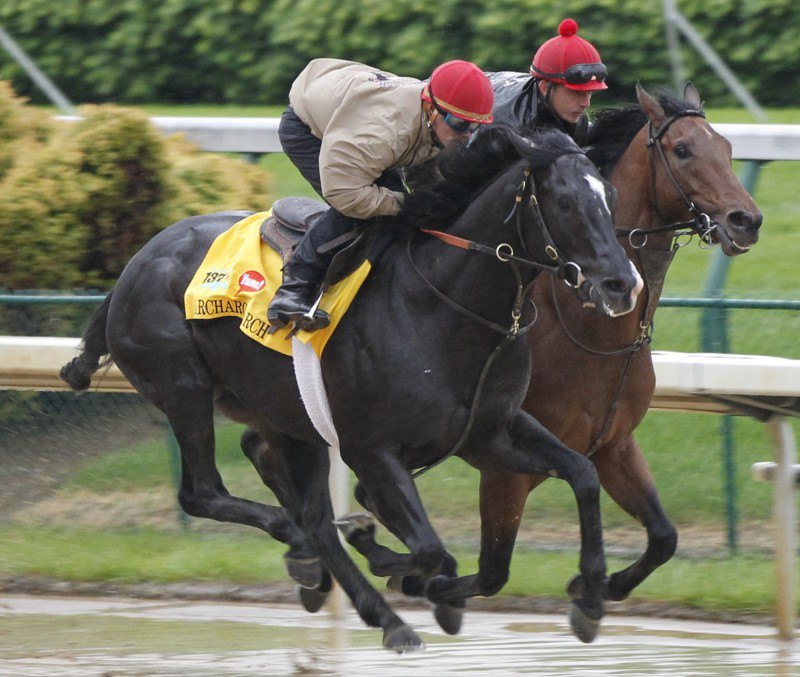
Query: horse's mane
point(442, 189)
point(613, 130)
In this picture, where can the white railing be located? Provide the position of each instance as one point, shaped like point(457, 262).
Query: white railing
point(260, 135)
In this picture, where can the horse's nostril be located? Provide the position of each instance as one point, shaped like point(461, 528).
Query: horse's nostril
point(616, 286)
point(745, 220)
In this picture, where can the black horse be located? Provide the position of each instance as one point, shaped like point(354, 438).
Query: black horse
point(428, 362)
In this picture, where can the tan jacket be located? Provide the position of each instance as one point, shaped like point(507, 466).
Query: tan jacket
point(369, 121)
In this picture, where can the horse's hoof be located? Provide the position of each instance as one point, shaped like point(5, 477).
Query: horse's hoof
point(410, 586)
point(394, 583)
point(449, 617)
point(306, 571)
point(401, 639)
point(584, 627)
point(312, 599)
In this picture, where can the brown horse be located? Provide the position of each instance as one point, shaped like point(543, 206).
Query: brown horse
point(592, 377)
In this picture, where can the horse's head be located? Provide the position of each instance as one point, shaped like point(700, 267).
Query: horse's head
point(691, 173)
point(570, 223)
point(535, 202)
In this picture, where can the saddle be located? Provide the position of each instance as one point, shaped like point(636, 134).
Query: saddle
point(290, 219)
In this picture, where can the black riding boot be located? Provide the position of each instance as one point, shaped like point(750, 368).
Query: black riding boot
point(304, 273)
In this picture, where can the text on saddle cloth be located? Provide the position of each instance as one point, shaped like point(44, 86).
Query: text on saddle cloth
point(238, 278)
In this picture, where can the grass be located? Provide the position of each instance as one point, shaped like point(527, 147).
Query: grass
point(741, 583)
point(129, 556)
point(690, 482)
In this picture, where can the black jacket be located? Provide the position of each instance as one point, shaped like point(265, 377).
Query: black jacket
point(517, 101)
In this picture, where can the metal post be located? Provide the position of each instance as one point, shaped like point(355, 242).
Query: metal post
point(729, 473)
point(674, 46)
point(42, 81)
point(679, 22)
point(784, 485)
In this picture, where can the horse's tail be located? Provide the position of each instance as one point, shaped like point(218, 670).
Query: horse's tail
point(77, 373)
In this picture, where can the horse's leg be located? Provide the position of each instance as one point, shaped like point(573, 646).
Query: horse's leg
point(162, 362)
point(393, 497)
point(307, 468)
point(502, 500)
point(203, 494)
point(359, 531)
point(530, 449)
point(273, 473)
point(626, 477)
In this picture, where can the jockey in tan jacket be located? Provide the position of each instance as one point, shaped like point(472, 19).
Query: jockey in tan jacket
point(349, 129)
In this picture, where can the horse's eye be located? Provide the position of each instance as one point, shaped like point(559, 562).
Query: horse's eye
point(563, 202)
point(682, 151)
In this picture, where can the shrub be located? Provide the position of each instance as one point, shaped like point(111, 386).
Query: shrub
point(77, 201)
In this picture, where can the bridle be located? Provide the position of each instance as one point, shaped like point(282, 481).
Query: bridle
point(701, 223)
point(569, 271)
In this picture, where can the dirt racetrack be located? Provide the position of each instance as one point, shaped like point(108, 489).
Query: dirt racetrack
point(68, 636)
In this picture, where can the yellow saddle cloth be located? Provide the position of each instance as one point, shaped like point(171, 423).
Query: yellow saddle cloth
point(239, 277)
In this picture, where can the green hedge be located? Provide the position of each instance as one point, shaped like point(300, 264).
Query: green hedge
point(248, 52)
point(78, 199)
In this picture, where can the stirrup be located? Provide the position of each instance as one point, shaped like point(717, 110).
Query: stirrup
point(314, 323)
point(312, 319)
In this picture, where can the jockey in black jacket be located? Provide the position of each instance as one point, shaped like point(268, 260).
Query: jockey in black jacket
point(565, 72)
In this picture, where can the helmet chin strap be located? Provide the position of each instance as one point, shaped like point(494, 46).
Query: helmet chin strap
point(428, 117)
point(548, 87)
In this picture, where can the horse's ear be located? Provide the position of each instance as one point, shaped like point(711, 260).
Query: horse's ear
point(650, 106)
point(691, 96)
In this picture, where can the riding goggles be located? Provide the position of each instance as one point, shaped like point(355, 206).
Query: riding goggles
point(457, 124)
point(578, 74)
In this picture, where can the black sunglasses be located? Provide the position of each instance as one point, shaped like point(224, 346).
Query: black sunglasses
point(579, 74)
point(457, 124)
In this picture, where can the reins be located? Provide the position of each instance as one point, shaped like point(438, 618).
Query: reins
point(569, 271)
point(516, 313)
point(504, 253)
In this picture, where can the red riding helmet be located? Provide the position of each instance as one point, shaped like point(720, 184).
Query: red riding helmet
point(570, 60)
point(462, 89)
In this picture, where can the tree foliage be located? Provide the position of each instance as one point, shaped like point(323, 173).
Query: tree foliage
point(249, 51)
